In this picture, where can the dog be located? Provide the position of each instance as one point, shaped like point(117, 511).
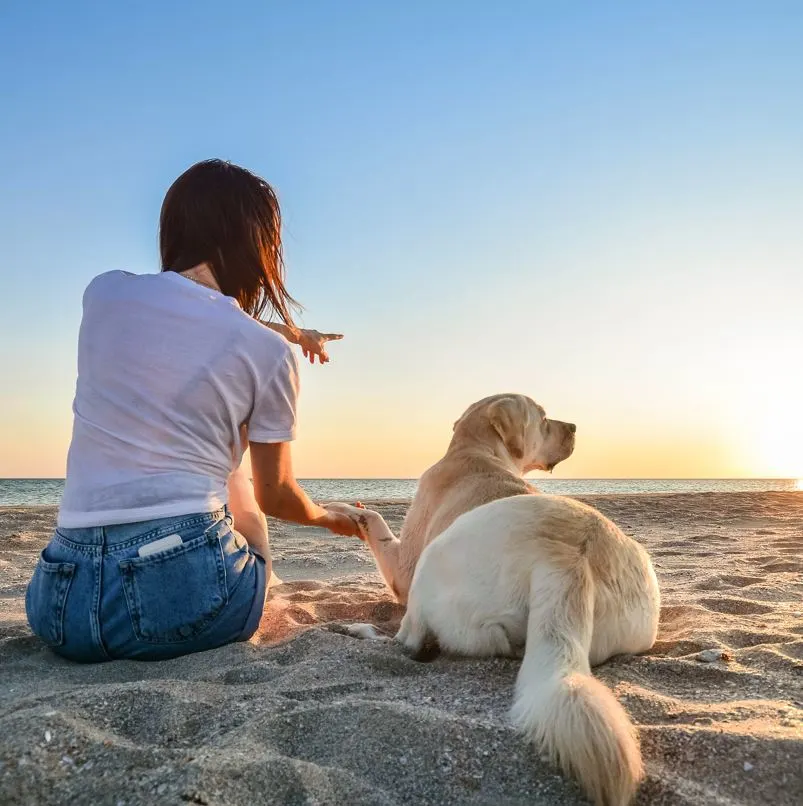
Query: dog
point(494, 443)
point(519, 570)
point(558, 578)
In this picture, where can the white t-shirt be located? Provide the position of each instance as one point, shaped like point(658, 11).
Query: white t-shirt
point(168, 370)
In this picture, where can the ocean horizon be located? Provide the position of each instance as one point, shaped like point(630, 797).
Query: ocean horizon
point(16, 492)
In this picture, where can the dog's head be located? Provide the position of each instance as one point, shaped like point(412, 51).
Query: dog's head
point(530, 438)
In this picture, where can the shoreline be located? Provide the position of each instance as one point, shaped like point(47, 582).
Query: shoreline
point(48, 492)
point(398, 501)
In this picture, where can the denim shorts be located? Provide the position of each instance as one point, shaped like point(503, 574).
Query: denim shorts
point(93, 597)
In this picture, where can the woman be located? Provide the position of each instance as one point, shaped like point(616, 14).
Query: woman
point(176, 374)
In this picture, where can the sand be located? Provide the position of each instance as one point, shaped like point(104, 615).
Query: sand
point(308, 715)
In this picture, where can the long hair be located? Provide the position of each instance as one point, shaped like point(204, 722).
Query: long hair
point(229, 218)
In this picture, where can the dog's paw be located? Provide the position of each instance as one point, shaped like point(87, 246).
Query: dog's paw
point(360, 515)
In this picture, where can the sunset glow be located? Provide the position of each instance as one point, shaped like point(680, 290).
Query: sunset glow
point(599, 209)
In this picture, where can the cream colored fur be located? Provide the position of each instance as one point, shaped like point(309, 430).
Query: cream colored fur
point(495, 442)
point(555, 577)
point(488, 568)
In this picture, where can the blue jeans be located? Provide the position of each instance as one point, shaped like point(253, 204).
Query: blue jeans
point(94, 598)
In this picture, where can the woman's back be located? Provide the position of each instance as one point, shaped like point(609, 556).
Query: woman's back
point(162, 541)
point(168, 370)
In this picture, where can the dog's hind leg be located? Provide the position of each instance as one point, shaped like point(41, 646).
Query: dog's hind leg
point(417, 638)
point(493, 639)
point(477, 639)
point(412, 631)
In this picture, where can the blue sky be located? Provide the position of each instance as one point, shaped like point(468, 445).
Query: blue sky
point(598, 204)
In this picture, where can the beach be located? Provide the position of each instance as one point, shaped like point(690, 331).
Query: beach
point(307, 714)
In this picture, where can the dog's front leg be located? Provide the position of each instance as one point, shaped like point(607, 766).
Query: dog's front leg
point(383, 543)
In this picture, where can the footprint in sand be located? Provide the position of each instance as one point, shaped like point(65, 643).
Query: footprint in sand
point(789, 543)
point(769, 658)
point(734, 606)
point(794, 649)
point(675, 544)
point(780, 566)
point(718, 581)
point(679, 615)
point(676, 648)
point(671, 615)
point(718, 538)
point(738, 581)
point(742, 639)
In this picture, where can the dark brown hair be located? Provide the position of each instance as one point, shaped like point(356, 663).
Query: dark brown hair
point(225, 216)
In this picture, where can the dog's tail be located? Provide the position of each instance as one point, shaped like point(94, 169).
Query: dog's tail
point(568, 714)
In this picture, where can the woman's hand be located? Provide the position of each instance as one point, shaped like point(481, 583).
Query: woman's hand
point(340, 524)
point(313, 343)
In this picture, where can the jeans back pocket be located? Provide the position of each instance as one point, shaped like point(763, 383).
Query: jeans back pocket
point(175, 594)
point(46, 599)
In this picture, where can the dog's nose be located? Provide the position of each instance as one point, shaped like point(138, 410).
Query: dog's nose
point(572, 428)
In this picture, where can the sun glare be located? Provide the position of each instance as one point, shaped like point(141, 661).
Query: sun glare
point(776, 436)
point(778, 452)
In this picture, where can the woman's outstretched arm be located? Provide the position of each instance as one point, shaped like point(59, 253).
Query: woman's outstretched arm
point(279, 495)
point(311, 342)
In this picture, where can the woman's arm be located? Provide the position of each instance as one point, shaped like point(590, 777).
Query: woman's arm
point(248, 519)
point(279, 495)
point(288, 332)
point(312, 342)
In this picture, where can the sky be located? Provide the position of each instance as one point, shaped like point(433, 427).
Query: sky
point(599, 205)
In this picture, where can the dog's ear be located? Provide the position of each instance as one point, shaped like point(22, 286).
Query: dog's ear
point(470, 410)
point(509, 417)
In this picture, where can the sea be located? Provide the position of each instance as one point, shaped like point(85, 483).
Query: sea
point(44, 492)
